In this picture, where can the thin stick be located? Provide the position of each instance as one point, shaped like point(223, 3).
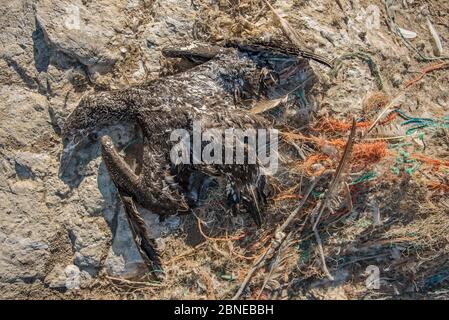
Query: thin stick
point(321, 252)
point(200, 222)
point(275, 244)
point(301, 204)
point(139, 283)
point(250, 275)
point(348, 197)
point(182, 255)
point(321, 206)
point(267, 278)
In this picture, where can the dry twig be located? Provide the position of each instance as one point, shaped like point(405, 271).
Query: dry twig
point(275, 244)
point(322, 205)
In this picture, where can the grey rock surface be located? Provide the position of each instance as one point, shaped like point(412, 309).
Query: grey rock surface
point(64, 231)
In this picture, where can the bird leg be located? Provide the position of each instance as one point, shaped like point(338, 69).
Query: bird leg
point(127, 183)
point(122, 175)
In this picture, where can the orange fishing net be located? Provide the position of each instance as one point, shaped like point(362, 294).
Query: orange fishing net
point(434, 163)
point(333, 125)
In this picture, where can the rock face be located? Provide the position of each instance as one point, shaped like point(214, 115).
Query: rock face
point(62, 231)
point(69, 28)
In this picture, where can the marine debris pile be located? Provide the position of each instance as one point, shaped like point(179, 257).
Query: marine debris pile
point(362, 190)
